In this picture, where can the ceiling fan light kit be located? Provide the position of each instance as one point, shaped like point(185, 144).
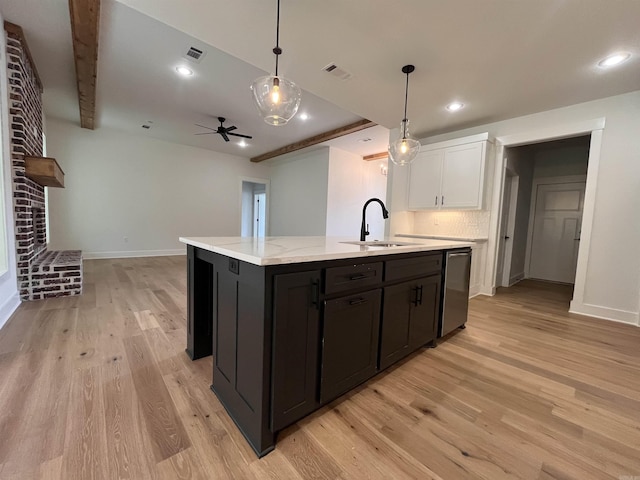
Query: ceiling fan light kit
point(405, 149)
point(276, 98)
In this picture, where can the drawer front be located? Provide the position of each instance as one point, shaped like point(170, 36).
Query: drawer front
point(340, 279)
point(413, 267)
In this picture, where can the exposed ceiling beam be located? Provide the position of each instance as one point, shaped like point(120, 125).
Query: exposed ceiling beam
point(323, 137)
point(16, 30)
point(376, 156)
point(85, 21)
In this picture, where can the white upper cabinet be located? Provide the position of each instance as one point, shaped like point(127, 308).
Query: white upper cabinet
point(449, 175)
point(424, 180)
point(462, 176)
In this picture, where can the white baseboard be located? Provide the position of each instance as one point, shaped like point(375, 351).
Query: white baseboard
point(132, 254)
point(8, 307)
point(513, 279)
point(605, 313)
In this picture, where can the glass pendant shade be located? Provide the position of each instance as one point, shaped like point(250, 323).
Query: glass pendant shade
point(405, 149)
point(276, 98)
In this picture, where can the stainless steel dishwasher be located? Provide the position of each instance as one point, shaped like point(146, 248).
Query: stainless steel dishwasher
point(455, 293)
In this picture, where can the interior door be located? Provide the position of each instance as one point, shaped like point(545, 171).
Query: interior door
point(502, 240)
point(504, 275)
point(556, 232)
point(260, 214)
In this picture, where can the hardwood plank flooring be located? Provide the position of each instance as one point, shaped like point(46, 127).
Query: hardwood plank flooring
point(99, 387)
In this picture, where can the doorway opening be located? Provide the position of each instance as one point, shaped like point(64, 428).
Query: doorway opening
point(541, 217)
point(254, 208)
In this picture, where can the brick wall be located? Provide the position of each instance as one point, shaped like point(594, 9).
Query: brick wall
point(25, 118)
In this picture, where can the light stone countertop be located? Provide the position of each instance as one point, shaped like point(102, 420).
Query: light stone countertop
point(284, 250)
point(443, 237)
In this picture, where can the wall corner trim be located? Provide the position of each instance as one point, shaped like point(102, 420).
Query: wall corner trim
point(8, 307)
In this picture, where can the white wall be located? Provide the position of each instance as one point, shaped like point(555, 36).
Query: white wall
point(561, 162)
point(9, 298)
point(375, 187)
point(520, 161)
point(351, 183)
point(298, 203)
point(612, 285)
point(246, 224)
point(149, 191)
point(322, 192)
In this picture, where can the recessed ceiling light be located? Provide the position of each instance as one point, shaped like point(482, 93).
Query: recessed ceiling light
point(187, 72)
point(303, 116)
point(242, 143)
point(455, 106)
point(613, 60)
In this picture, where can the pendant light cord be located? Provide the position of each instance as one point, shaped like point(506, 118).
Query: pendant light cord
point(278, 50)
point(406, 98)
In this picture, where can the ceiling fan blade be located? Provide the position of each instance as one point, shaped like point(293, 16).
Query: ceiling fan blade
point(233, 127)
point(208, 128)
point(224, 135)
point(239, 135)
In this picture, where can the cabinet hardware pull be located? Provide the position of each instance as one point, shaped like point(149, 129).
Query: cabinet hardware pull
point(442, 202)
point(357, 301)
point(358, 277)
point(421, 292)
point(417, 297)
point(436, 200)
point(315, 293)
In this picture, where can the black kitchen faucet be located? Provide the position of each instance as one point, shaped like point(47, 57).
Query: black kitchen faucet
point(364, 226)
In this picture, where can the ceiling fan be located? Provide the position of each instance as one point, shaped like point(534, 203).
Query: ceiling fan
point(223, 131)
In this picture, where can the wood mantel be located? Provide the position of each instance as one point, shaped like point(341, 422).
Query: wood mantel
point(44, 171)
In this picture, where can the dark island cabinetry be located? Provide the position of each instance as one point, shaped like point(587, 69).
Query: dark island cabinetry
point(296, 342)
point(287, 339)
point(349, 342)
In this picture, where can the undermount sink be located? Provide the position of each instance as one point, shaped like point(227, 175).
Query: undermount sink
point(380, 244)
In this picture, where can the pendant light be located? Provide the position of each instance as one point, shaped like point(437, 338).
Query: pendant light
point(404, 150)
point(276, 98)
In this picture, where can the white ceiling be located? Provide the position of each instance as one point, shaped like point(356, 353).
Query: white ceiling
point(502, 58)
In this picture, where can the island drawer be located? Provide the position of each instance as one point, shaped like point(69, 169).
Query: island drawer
point(413, 267)
point(349, 277)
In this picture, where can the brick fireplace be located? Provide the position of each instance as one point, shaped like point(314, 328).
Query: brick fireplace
point(26, 139)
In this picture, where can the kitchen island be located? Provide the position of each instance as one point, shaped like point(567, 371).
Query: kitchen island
point(295, 322)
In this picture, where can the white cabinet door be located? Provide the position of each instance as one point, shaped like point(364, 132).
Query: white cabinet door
point(463, 176)
point(424, 180)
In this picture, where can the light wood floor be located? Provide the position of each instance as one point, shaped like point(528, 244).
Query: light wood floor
point(99, 386)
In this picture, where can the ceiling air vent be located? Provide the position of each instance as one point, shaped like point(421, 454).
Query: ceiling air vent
point(336, 71)
point(194, 54)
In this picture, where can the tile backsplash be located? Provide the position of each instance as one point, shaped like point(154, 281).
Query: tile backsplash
point(471, 223)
